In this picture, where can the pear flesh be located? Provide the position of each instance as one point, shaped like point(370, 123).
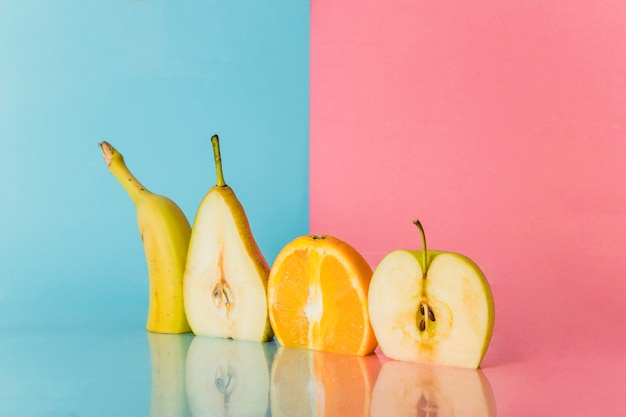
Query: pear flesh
point(444, 316)
point(225, 280)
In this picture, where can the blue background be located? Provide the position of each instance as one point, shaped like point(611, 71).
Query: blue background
point(156, 79)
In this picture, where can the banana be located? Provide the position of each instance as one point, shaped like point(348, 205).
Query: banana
point(165, 233)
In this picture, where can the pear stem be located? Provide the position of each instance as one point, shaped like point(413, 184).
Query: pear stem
point(218, 161)
point(425, 250)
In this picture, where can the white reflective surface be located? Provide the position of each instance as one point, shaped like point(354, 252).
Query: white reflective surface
point(133, 372)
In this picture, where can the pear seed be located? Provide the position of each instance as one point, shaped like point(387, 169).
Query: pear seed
point(226, 294)
point(422, 325)
point(218, 295)
point(422, 309)
point(431, 315)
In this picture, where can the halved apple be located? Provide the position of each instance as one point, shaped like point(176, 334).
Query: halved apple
point(431, 306)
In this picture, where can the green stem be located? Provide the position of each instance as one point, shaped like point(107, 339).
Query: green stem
point(425, 252)
point(218, 161)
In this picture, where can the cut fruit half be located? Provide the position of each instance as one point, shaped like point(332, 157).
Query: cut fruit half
point(431, 306)
point(317, 293)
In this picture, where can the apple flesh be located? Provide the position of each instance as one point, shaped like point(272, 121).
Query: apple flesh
point(432, 307)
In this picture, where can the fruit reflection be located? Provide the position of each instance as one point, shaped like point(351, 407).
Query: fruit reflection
point(307, 383)
point(167, 356)
point(228, 378)
point(417, 390)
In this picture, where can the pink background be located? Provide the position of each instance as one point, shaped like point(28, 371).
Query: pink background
point(501, 125)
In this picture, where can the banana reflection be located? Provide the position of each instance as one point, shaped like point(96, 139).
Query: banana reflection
point(410, 389)
point(307, 383)
point(168, 354)
point(228, 378)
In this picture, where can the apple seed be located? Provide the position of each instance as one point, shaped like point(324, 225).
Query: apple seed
point(425, 311)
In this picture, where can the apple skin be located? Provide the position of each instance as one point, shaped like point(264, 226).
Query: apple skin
point(455, 290)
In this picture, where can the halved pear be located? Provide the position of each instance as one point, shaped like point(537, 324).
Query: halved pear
point(225, 280)
point(431, 306)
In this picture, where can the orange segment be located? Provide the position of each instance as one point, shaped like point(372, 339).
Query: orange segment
point(317, 293)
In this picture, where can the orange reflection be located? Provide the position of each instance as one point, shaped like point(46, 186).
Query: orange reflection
point(307, 383)
point(416, 390)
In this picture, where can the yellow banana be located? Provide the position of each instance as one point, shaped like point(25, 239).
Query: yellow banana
point(165, 233)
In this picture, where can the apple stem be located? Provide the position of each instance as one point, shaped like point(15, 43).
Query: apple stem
point(425, 251)
point(215, 140)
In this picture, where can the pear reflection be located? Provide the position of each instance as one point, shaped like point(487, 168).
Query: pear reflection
point(306, 383)
point(167, 355)
point(416, 390)
point(228, 378)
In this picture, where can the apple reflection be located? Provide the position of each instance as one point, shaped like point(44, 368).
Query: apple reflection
point(168, 356)
point(416, 390)
point(228, 378)
point(306, 383)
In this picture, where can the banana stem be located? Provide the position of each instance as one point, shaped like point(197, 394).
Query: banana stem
point(218, 161)
point(425, 250)
point(117, 167)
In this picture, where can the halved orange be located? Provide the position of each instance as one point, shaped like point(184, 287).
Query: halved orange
point(317, 294)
